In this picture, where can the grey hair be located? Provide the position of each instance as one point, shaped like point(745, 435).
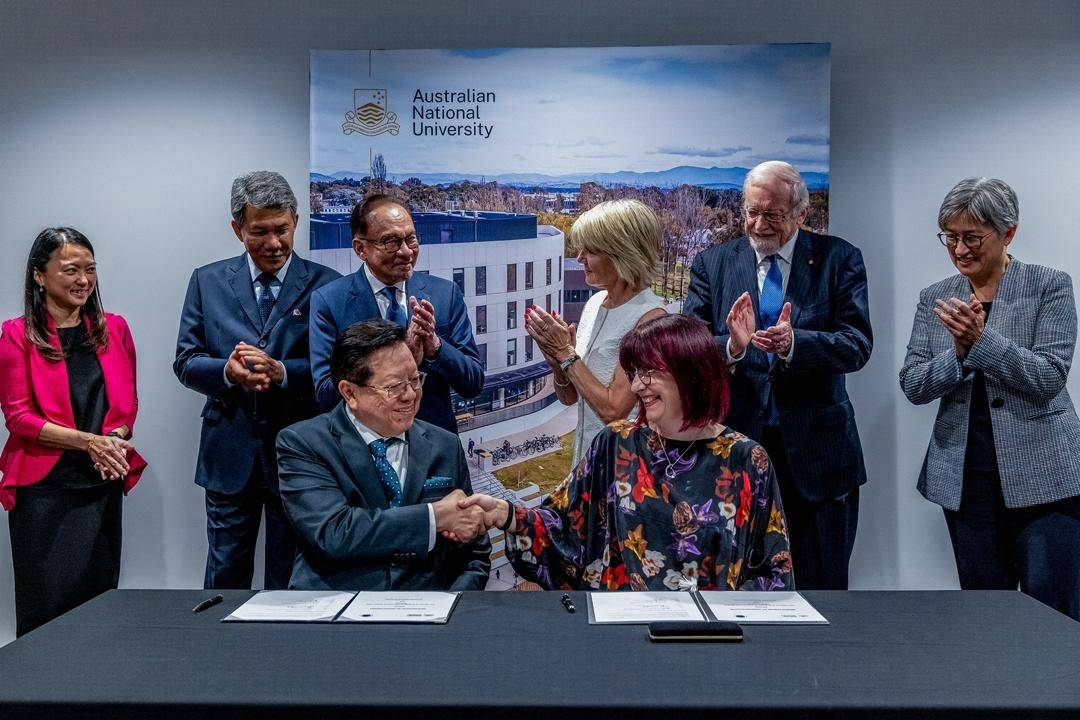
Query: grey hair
point(988, 201)
point(261, 189)
point(785, 173)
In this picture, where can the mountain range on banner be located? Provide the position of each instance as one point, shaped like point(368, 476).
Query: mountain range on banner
point(714, 178)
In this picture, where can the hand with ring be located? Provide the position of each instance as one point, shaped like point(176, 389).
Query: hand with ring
point(554, 336)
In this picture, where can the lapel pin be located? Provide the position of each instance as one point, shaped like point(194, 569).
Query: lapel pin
point(811, 261)
point(296, 312)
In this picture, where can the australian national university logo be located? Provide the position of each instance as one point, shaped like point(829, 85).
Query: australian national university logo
point(370, 115)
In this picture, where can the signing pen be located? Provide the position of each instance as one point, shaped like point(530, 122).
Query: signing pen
point(568, 603)
point(207, 603)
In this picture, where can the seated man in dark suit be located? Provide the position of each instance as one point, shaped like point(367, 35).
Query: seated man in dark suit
point(432, 308)
point(370, 490)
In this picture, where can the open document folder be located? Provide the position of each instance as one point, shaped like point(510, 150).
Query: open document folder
point(319, 606)
point(734, 606)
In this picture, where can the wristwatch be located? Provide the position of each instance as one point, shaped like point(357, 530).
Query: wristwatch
point(565, 364)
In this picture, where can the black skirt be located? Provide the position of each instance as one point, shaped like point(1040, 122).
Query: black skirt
point(65, 548)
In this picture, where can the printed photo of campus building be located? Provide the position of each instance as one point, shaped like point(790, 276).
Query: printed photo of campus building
point(677, 128)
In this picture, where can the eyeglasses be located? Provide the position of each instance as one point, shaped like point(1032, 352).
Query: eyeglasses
point(391, 245)
point(645, 376)
point(393, 392)
point(771, 216)
point(971, 240)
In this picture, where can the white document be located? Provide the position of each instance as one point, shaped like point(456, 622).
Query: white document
point(292, 606)
point(762, 607)
point(642, 607)
point(400, 607)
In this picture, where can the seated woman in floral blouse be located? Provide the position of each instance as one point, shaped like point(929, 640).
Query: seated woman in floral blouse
point(672, 502)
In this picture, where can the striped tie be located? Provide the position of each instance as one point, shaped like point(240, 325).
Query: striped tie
point(266, 298)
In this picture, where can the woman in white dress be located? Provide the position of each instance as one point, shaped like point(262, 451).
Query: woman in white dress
point(618, 242)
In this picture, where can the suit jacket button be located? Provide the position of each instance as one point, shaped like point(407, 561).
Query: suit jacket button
point(262, 343)
point(998, 402)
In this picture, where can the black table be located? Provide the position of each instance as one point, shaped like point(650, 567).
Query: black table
point(143, 654)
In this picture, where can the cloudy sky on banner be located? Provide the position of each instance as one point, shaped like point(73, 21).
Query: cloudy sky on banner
point(580, 110)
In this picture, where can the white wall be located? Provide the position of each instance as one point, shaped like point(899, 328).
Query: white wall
point(129, 118)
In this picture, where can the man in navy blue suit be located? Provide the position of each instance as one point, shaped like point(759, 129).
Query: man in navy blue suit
point(432, 309)
point(243, 344)
point(370, 489)
point(791, 309)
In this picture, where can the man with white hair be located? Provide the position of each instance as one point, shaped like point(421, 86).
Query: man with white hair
point(790, 307)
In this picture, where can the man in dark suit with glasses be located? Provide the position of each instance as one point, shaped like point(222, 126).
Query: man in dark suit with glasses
point(370, 490)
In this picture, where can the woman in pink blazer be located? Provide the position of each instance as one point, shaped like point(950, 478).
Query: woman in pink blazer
point(67, 390)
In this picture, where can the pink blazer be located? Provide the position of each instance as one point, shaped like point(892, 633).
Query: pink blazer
point(34, 391)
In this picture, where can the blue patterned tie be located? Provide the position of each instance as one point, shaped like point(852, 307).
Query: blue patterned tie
point(772, 293)
point(772, 300)
point(393, 310)
point(266, 298)
point(389, 477)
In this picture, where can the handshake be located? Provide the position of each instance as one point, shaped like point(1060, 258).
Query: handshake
point(463, 518)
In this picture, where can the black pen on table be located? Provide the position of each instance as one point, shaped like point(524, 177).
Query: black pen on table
point(207, 603)
point(568, 603)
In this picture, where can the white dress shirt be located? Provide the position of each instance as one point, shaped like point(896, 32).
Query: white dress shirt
point(384, 304)
point(397, 454)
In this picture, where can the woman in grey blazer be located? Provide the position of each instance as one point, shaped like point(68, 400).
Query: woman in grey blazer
point(1004, 455)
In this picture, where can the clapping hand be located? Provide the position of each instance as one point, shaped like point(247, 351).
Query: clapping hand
point(421, 337)
point(741, 325)
point(964, 321)
point(554, 335)
point(778, 338)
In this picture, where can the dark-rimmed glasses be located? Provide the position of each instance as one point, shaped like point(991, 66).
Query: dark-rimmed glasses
point(391, 245)
point(971, 240)
point(645, 376)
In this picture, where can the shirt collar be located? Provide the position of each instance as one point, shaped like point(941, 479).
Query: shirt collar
point(786, 251)
point(256, 272)
point(367, 434)
point(377, 285)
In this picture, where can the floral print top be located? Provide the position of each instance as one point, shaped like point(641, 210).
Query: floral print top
point(636, 516)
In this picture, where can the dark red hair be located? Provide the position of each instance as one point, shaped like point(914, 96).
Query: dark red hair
point(683, 347)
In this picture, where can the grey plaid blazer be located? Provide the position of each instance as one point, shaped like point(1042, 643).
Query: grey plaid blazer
point(1024, 353)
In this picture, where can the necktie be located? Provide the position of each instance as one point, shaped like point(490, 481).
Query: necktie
point(266, 298)
point(393, 310)
point(772, 294)
point(387, 475)
point(772, 300)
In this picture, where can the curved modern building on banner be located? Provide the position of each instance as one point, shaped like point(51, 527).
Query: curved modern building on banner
point(503, 263)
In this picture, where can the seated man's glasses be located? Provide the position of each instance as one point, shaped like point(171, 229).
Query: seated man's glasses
point(393, 392)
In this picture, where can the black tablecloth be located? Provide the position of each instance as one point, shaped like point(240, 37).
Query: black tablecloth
point(143, 654)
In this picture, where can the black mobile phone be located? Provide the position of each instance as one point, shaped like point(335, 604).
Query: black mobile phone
point(695, 632)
